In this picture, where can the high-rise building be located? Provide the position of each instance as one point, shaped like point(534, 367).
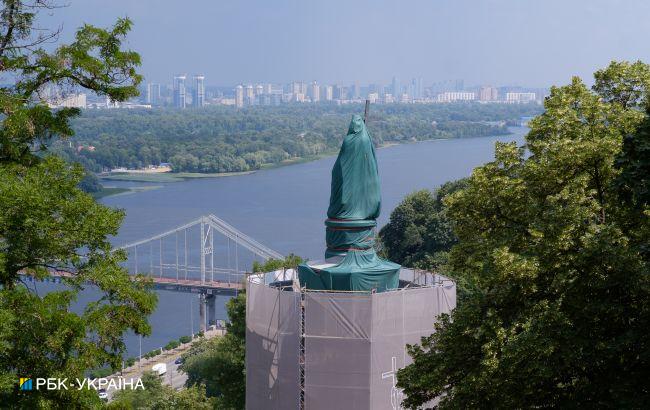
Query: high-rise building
point(198, 93)
point(328, 93)
point(268, 88)
point(397, 88)
point(488, 94)
point(249, 95)
point(239, 96)
point(259, 89)
point(294, 88)
point(340, 92)
point(356, 91)
point(451, 96)
point(314, 92)
point(69, 100)
point(376, 88)
point(276, 98)
point(417, 90)
point(520, 97)
point(264, 99)
point(153, 94)
point(179, 91)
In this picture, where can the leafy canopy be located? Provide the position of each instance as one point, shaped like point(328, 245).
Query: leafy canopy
point(47, 224)
point(558, 300)
point(219, 363)
point(419, 232)
point(161, 397)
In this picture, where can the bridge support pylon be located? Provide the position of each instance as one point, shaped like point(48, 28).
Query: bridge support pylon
point(207, 310)
point(210, 302)
point(202, 318)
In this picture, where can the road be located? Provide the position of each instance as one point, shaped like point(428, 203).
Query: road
point(174, 376)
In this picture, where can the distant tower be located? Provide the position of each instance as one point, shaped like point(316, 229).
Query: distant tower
point(314, 92)
point(417, 90)
point(488, 93)
point(239, 96)
point(259, 89)
point(396, 87)
point(153, 94)
point(179, 91)
point(328, 93)
point(249, 95)
point(198, 97)
point(340, 92)
point(356, 91)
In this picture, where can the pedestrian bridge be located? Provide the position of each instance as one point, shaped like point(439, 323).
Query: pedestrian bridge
point(207, 256)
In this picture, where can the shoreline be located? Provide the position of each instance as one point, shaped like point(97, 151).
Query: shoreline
point(165, 177)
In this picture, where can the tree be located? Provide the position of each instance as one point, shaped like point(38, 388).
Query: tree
point(48, 224)
point(157, 396)
point(557, 308)
point(419, 233)
point(290, 262)
point(219, 363)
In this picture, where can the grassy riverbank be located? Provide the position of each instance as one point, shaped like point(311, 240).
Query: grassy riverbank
point(167, 176)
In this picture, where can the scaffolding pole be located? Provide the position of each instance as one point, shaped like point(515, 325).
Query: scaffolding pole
point(301, 353)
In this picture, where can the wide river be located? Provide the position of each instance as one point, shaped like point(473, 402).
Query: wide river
point(283, 208)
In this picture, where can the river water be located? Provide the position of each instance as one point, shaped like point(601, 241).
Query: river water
point(283, 208)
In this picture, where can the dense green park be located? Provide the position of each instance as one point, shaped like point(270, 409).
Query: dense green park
point(224, 139)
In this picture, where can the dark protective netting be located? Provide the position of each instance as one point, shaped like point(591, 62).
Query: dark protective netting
point(355, 203)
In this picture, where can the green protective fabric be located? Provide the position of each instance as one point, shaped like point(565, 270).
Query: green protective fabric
point(344, 239)
point(358, 271)
point(355, 180)
point(350, 228)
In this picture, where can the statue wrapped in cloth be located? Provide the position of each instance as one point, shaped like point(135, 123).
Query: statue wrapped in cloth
point(351, 262)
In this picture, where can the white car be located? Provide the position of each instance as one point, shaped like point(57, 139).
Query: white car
point(102, 394)
point(160, 368)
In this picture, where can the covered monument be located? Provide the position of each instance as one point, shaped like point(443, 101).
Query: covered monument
point(355, 202)
point(333, 334)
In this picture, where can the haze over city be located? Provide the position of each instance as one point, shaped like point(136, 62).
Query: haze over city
point(504, 42)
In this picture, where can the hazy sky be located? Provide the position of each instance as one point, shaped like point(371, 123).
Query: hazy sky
point(500, 42)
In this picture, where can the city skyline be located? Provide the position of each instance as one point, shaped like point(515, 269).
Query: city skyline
point(484, 42)
point(182, 94)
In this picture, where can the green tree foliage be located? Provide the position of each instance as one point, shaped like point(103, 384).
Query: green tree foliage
point(219, 363)
point(290, 262)
point(223, 139)
point(634, 163)
point(90, 183)
point(557, 313)
point(419, 232)
point(157, 396)
point(48, 224)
